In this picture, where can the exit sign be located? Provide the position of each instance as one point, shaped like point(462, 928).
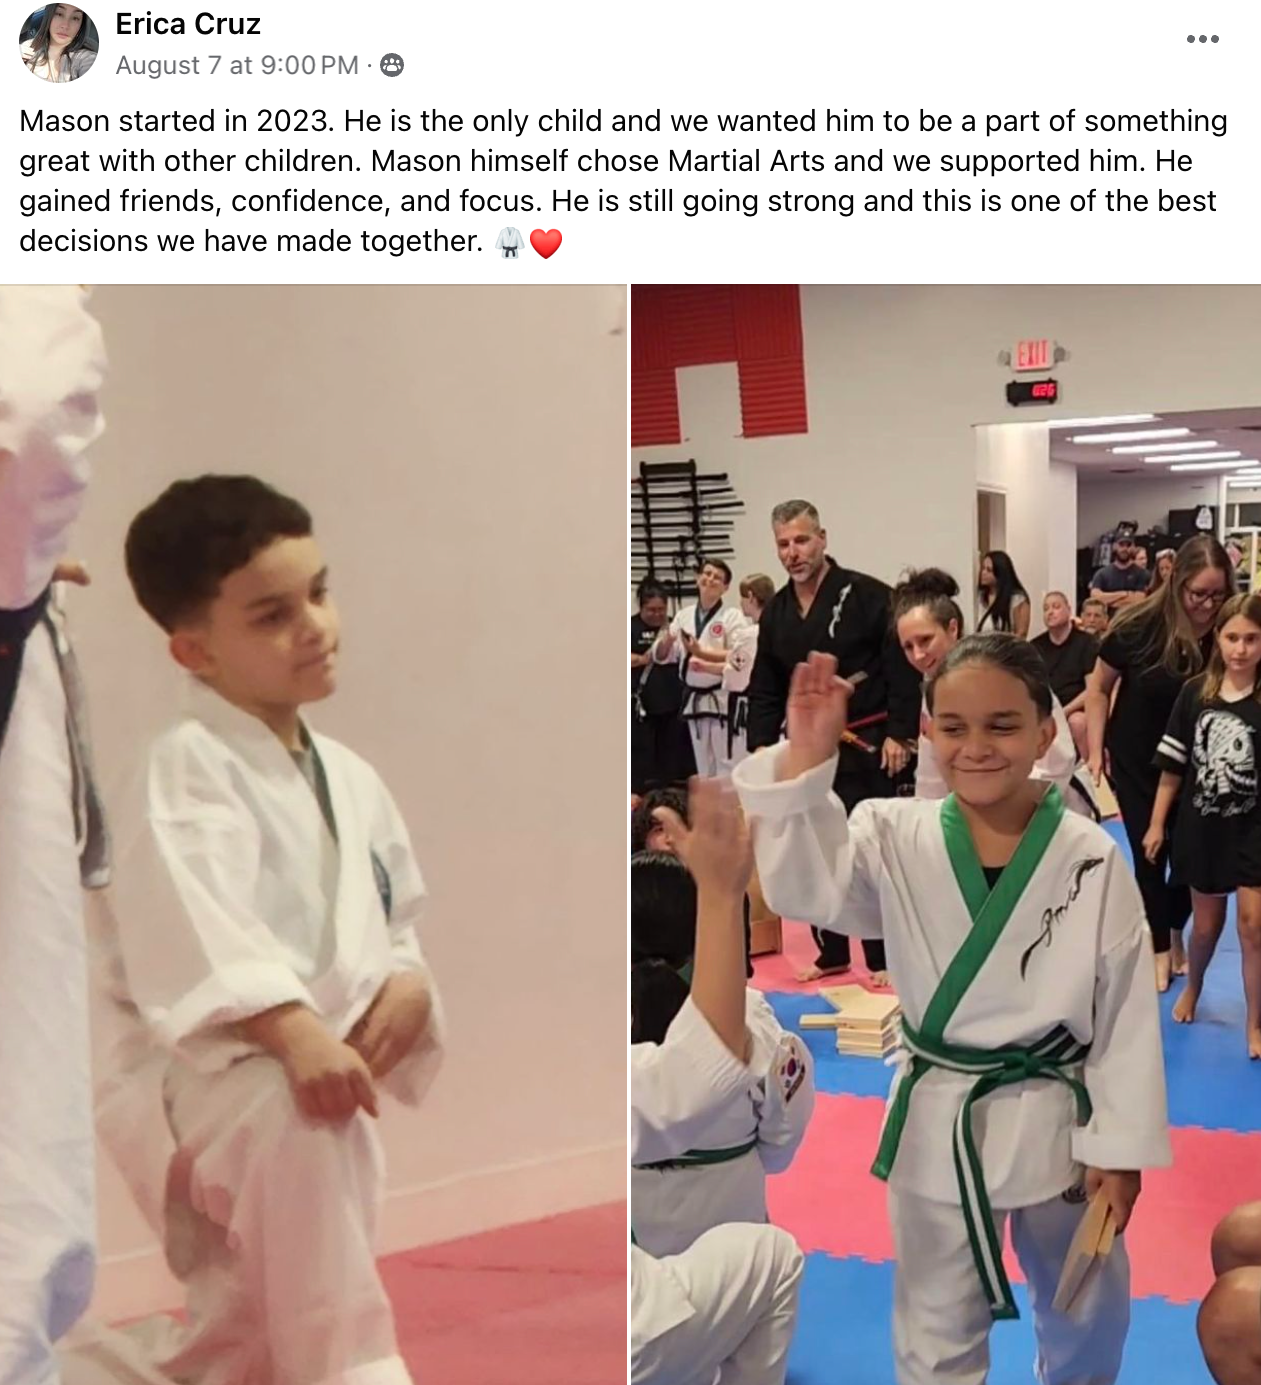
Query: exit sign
point(1034, 354)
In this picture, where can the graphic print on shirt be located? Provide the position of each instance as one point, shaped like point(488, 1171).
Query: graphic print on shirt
point(1225, 766)
point(1077, 873)
point(838, 608)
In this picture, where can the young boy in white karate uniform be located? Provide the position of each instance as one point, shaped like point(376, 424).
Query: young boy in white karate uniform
point(722, 1178)
point(266, 905)
point(51, 367)
point(716, 647)
point(1021, 956)
point(724, 1310)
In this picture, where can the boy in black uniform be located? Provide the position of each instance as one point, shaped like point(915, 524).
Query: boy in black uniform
point(828, 608)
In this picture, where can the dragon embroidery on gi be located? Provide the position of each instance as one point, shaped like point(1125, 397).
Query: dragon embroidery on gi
point(1050, 917)
point(838, 608)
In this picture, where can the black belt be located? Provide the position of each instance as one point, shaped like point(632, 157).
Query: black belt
point(737, 720)
point(15, 629)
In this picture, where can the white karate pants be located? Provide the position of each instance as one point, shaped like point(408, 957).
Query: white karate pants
point(941, 1323)
point(743, 1283)
point(47, 1216)
point(709, 745)
point(270, 1224)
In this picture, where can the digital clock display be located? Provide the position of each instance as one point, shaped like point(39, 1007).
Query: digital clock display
point(1033, 392)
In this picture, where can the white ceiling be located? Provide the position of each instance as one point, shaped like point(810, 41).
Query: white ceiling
point(1234, 430)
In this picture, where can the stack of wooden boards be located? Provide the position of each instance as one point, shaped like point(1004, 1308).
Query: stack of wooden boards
point(866, 1022)
point(1090, 1245)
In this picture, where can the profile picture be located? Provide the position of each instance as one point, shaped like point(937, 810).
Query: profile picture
point(58, 43)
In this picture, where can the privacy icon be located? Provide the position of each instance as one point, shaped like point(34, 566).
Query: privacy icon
point(391, 64)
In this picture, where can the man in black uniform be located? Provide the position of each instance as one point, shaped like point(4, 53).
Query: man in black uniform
point(828, 608)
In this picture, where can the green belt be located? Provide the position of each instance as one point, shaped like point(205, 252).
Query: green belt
point(697, 1158)
point(994, 1068)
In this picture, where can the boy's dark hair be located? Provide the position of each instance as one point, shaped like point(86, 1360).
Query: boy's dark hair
point(181, 547)
point(663, 939)
point(651, 588)
point(1008, 652)
point(714, 562)
point(642, 819)
point(657, 995)
point(663, 909)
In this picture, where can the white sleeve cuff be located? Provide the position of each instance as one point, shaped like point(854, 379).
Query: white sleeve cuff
point(1123, 1152)
point(762, 797)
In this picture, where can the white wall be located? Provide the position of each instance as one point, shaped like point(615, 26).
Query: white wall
point(1015, 459)
point(896, 377)
point(466, 487)
point(1062, 501)
point(1102, 503)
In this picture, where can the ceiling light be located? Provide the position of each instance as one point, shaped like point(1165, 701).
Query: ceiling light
point(1133, 437)
point(1215, 466)
point(1163, 447)
point(1100, 422)
point(1192, 457)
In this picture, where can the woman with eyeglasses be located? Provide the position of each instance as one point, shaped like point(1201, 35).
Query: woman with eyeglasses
point(1152, 650)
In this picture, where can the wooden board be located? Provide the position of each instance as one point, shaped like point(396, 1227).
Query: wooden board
point(859, 1004)
point(819, 1021)
point(766, 935)
point(1083, 1253)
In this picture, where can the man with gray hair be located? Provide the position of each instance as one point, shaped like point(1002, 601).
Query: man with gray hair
point(834, 610)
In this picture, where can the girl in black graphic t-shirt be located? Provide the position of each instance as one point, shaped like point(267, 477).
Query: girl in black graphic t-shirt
point(1153, 649)
point(1209, 758)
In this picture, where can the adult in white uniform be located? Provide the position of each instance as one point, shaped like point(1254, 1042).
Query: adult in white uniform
point(51, 366)
point(722, 1178)
point(1020, 953)
point(929, 625)
point(716, 646)
point(266, 908)
point(724, 1310)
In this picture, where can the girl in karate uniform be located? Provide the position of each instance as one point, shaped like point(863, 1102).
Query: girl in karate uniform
point(1017, 942)
point(722, 1178)
point(929, 625)
point(723, 1311)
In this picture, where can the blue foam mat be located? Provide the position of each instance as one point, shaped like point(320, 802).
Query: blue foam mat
point(1212, 1084)
point(843, 1334)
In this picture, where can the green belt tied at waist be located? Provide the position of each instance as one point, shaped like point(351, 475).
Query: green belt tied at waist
point(1049, 1058)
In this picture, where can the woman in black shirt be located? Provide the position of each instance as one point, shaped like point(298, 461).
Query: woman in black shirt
point(661, 748)
point(1153, 649)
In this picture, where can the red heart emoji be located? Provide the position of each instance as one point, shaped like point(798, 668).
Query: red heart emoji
point(547, 243)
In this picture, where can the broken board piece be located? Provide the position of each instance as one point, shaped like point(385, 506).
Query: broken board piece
point(820, 1021)
point(856, 1003)
point(1084, 1252)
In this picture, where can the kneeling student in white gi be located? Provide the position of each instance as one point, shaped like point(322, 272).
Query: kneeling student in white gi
point(724, 1309)
point(722, 1179)
point(266, 908)
point(1019, 950)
